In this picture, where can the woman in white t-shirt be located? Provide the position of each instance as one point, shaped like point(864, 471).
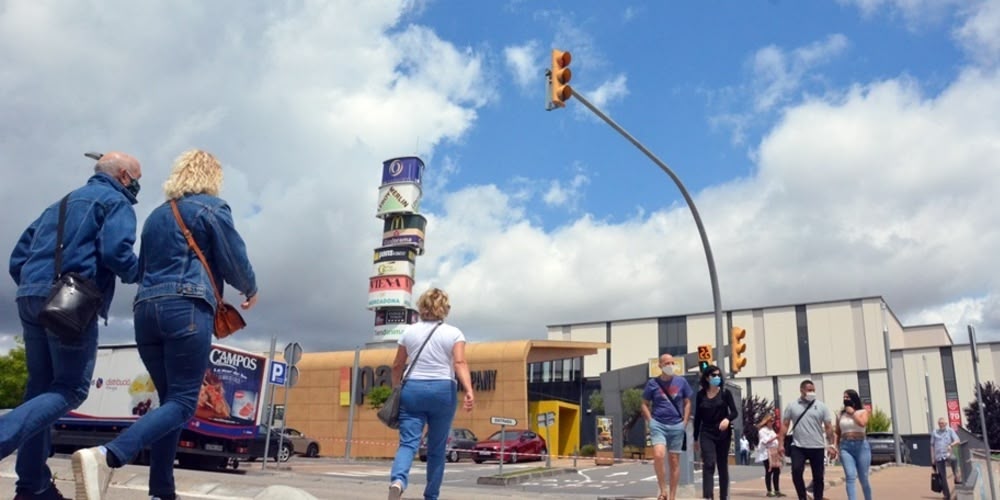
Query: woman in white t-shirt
point(429, 395)
point(769, 453)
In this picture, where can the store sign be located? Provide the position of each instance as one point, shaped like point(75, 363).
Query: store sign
point(954, 413)
point(404, 230)
point(406, 169)
point(372, 377)
point(398, 198)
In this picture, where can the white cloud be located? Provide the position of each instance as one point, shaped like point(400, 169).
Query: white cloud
point(915, 12)
point(630, 13)
point(525, 64)
point(611, 90)
point(980, 32)
point(958, 315)
point(566, 194)
point(778, 74)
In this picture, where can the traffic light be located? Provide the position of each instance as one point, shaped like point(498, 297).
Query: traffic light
point(559, 76)
point(738, 347)
point(704, 357)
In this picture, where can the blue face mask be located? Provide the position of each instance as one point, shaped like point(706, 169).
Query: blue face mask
point(715, 381)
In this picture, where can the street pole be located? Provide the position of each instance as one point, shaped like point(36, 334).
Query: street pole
point(284, 425)
point(892, 389)
point(270, 400)
point(927, 387)
point(982, 410)
point(350, 412)
point(716, 297)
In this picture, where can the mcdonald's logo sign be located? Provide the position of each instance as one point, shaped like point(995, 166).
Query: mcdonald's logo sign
point(404, 230)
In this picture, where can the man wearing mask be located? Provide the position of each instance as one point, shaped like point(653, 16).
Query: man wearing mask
point(812, 433)
point(666, 406)
point(98, 238)
point(942, 440)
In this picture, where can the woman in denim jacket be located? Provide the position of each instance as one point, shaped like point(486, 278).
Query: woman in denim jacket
point(174, 320)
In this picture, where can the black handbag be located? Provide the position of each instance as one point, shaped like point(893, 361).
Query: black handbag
point(74, 300)
point(788, 442)
point(389, 413)
point(936, 485)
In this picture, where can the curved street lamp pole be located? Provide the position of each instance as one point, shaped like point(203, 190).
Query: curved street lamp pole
point(713, 276)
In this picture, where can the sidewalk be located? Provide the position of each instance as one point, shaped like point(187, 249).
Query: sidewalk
point(129, 483)
point(904, 482)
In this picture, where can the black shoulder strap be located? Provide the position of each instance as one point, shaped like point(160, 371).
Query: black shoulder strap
point(59, 236)
point(803, 414)
point(415, 358)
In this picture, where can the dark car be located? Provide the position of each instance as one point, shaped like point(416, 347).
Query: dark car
point(460, 443)
point(281, 453)
point(883, 446)
point(519, 444)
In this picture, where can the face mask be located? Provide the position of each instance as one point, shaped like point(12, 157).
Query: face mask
point(810, 396)
point(133, 187)
point(848, 404)
point(715, 381)
point(667, 369)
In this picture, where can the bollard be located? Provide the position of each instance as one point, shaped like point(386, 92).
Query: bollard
point(575, 453)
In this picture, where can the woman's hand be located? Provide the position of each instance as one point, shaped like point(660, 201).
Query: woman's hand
point(469, 401)
point(250, 302)
point(724, 424)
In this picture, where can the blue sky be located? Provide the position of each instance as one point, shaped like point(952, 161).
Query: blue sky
point(835, 149)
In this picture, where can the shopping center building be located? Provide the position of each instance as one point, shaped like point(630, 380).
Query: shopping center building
point(837, 344)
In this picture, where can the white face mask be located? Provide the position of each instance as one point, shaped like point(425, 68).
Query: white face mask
point(810, 396)
point(667, 369)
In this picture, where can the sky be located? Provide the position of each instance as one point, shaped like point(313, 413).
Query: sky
point(835, 149)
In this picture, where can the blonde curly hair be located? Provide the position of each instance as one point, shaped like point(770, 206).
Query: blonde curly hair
point(194, 171)
point(433, 305)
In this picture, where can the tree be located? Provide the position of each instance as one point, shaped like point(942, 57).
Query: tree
point(754, 410)
point(878, 421)
point(13, 375)
point(631, 407)
point(991, 398)
point(378, 395)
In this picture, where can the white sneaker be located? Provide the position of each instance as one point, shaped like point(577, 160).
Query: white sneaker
point(91, 473)
point(395, 491)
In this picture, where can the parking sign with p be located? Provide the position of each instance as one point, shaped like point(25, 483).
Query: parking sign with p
point(279, 371)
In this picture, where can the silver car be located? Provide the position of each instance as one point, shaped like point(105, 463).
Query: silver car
point(302, 444)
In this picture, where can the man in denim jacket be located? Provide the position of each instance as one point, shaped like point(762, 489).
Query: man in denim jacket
point(98, 244)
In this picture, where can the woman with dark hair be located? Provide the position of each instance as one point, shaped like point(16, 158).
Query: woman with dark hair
point(855, 452)
point(715, 409)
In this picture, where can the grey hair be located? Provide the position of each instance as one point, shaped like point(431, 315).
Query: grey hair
point(111, 165)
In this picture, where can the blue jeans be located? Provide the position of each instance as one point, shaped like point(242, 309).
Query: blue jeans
point(174, 337)
point(430, 402)
point(58, 381)
point(856, 456)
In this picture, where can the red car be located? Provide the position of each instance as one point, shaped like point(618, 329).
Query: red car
point(519, 445)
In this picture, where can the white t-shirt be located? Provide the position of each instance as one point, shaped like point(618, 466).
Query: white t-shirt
point(435, 361)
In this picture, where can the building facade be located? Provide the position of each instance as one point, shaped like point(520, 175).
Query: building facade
point(837, 344)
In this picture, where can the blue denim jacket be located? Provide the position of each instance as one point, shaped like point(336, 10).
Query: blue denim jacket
point(98, 241)
point(168, 267)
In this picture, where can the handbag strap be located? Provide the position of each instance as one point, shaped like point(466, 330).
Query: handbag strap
point(59, 236)
point(677, 407)
point(413, 363)
point(197, 250)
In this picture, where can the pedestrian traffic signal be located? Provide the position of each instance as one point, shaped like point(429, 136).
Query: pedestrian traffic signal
point(738, 347)
point(559, 76)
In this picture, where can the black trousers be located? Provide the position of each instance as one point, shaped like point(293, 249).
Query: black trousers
point(815, 457)
point(715, 454)
point(771, 477)
point(941, 467)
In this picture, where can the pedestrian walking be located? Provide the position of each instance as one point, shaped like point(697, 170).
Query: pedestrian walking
point(852, 442)
point(87, 237)
point(744, 450)
point(770, 454)
point(943, 439)
point(436, 354)
point(666, 406)
point(174, 317)
point(811, 438)
point(715, 410)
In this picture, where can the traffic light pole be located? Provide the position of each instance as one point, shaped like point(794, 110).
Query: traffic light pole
point(713, 276)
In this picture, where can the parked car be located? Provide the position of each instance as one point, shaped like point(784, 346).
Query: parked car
point(302, 444)
point(517, 444)
point(257, 446)
point(461, 442)
point(883, 446)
